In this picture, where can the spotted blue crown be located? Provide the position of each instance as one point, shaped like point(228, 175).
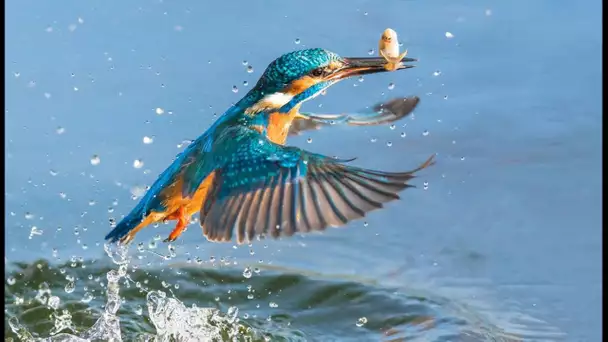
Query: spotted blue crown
point(292, 66)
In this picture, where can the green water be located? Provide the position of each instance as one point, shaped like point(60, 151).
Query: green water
point(43, 300)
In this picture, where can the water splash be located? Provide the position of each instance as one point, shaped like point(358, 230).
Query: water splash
point(267, 306)
point(107, 327)
point(171, 318)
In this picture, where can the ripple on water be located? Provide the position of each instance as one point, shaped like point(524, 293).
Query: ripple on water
point(222, 305)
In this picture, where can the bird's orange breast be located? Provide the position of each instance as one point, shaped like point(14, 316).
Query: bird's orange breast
point(174, 200)
point(278, 125)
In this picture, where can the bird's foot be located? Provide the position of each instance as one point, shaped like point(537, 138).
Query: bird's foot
point(182, 223)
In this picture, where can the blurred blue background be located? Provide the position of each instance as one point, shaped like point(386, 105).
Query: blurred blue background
point(511, 104)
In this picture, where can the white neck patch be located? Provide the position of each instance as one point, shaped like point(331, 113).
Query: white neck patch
point(277, 99)
point(270, 101)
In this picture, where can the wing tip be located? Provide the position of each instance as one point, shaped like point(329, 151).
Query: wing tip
point(399, 107)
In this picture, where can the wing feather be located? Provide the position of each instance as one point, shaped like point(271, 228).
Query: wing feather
point(279, 191)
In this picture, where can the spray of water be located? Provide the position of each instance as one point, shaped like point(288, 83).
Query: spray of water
point(171, 318)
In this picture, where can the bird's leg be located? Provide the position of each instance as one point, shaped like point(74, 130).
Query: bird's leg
point(182, 222)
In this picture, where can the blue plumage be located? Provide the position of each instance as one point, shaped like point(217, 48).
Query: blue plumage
point(239, 180)
point(292, 66)
point(266, 188)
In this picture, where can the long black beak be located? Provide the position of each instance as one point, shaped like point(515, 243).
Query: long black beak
point(370, 65)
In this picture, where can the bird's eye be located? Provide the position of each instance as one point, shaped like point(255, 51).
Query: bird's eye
point(317, 72)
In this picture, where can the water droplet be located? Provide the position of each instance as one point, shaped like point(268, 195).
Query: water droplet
point(437, 73)
point(35, 231)
point(80, 21)
point(389, 144)
point(249, 69)
point(69, 287)
point(373, 140)
point(365, 224)
point(235, 89)
point(361, 79)
point(449, 35)
point(361, 321)
point(53, 172)
point(95, 160)
point(245, 62)
point(138, 163)
point(273, 305)
point(425, 133)
point(75, 88)
point(47, 95)
point(391, 86)
point(392, 126)
point(445, 97)
point(425, 185)
point(403, 135)
point(462, 158)
point(148, 140)
point(247, 272)
point(53, 302)
point(87, 297)
point(245, 83)
point(60, 130)
point(11, 281)
point(28, 216)
point(371, 52)
point(309, 140)
point(139, 310)
point(159, 111)
point(17, 74)
point(297, 41)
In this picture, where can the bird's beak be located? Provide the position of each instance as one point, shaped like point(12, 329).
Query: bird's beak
point(369, 65)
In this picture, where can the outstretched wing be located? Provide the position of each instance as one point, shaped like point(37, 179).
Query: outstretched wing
point(275, 190)
point(383, 113)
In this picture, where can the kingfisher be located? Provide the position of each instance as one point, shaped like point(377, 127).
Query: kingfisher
point(239, 176)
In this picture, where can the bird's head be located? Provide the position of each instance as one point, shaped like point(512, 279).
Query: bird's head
point(300, 75)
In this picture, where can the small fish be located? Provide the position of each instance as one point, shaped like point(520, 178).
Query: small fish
point(388, 47)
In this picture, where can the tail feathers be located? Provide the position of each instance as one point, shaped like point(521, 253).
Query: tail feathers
point(124, 227)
